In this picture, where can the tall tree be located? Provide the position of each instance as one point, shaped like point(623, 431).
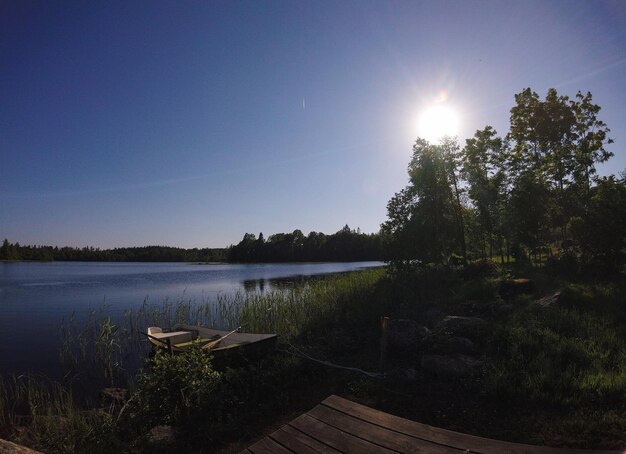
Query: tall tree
point(483, 169)
point(450, 152)
point(422, 222)
point(557, 142)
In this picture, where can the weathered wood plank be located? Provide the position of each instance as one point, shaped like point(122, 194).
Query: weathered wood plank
point(339, 425)
point(299, 442)
point(336, 438)
point(376, 434)
point(442, 436)
point(267, 446)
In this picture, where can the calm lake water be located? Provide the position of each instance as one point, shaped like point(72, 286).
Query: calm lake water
point(36, 297)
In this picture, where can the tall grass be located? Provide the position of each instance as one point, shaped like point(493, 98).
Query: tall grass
point(45, 415)
point(107, 350)
point(570, 355)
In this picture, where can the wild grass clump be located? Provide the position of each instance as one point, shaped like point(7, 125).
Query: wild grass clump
point(46, 416)
point(564, 357)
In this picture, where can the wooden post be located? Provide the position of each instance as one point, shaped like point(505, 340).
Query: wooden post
point(169, 345)
point(384, 343)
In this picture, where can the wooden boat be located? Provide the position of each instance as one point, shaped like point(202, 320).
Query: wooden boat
point(220, 343)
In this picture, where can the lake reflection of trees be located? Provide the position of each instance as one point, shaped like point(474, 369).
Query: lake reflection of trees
point(279, 283)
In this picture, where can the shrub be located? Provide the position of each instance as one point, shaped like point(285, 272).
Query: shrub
point(179, 387)
point(479, 269)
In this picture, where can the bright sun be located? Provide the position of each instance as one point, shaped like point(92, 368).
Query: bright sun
point(438, 121)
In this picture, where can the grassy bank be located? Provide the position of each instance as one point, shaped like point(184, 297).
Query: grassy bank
point(552, 374)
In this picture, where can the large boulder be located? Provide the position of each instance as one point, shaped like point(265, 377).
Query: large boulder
point(451, 366)
point(432, 315)
point(406, 335)
point(470, 327)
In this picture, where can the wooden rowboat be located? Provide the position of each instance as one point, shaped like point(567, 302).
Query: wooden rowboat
point(219, 343)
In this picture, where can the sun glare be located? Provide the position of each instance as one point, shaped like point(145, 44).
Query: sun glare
point(436, 122)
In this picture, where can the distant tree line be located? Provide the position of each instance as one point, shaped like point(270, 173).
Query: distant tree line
point(345, 245)
point(530, 193)
point(10, 251)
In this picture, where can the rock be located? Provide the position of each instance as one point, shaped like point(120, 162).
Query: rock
point(162, 435)
point(7, 447)
point(514, 287)
point(549, 300)
point(451, 366)
point(433, 315)
point(450, 345)
point(470, 327)
point(406, 334)
point(117, 395)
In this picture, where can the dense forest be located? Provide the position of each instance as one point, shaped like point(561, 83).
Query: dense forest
point(532, 193)
point(10, 251)
point(345, 245)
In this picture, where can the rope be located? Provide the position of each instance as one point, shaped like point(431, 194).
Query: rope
point(294, 351)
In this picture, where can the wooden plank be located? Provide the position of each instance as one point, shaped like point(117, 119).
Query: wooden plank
point(299, 442)
point(336, 438)
point(376, 434)
point(267, 446)
point(442, 436)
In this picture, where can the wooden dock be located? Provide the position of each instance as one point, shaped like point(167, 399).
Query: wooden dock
point(338, 425)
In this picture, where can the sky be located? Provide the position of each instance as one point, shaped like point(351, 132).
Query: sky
point(188, 124)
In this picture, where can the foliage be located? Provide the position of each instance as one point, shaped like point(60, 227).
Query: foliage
point(345, 245)
point(601, 233)
point(179, 388)
point(46, 416)
point(10, 251)
point(530, 194)
point(423, 217)
point(483, 170)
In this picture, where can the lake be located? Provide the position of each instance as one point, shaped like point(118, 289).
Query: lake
point(36, 296)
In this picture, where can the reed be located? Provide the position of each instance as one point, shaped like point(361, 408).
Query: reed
point(45, 415)
point(109, 350)
point(106, 348)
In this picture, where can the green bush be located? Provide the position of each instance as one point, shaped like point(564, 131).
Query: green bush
point(177, 388)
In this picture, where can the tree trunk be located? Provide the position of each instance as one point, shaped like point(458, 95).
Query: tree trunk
point(459, 217)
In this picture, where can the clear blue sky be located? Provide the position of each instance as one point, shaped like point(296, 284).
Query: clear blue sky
point(131, 123)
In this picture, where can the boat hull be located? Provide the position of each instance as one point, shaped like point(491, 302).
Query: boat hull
point(235, 347)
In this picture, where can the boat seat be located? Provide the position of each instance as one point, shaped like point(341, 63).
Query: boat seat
point(175, 337)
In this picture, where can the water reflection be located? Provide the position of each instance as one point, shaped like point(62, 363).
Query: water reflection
point(268, 285)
